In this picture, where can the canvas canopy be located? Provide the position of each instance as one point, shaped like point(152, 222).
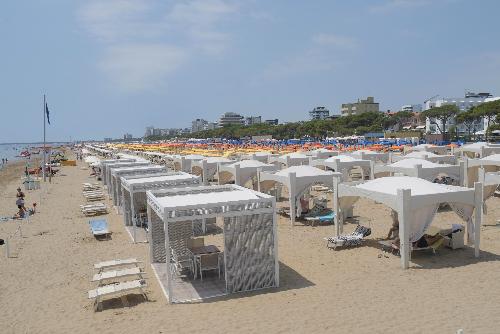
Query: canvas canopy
point(423, 169)
point(490, 163)
point(262, 156)
point(371, 155)
point(321, 153)
point(447, 159)
point(243, 171)
point(106, 163)
point(344, 163)
point(479, 149)
point(291, 159)
point(442, 150)
point(297, 179)
point(416, 201)
point(207, 168)
point(183, 162)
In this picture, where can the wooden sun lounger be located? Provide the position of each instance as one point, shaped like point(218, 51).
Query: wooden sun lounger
point(116, 263)
point(115, 274)
point(111, 289)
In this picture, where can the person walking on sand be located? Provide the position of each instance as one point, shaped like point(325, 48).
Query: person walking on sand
point(20, 199)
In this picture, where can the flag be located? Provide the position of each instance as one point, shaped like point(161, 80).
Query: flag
point(47, 112)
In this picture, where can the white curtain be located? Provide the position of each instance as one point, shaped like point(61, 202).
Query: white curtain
point(420, 219)
point(465, 211)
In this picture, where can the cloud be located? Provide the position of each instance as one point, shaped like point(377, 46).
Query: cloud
point(334, 40)
point(138, 67)
point(138, 37)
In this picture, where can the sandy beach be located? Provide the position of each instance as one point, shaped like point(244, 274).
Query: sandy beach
point(361, 290)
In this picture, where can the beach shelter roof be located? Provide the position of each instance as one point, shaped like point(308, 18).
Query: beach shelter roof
point(481, 149)
point(243, 171)
point(321, 153)
point(291, 159)
point(207, 167)
point(450, 159)
point(344, 163)
point(416, 200)
point(297, 179)
point(421, 168)
point(429, 148)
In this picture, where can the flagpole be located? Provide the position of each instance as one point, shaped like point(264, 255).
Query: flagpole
point(44, 150)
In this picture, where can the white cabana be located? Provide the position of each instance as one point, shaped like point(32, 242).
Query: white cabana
point(441, 150)
point(416, 201)
point(321, 153)
point(134, 201)
point(250, 246)
point(243, 172)
point(259, 156)
point(445, 159)
point(490, 163)
point(422, 169)
point(371, 155)
point(290, 159)
point(479, 150)
point(115, 185)
point(207, 167)
point(297, 179)
point(344, 164)
point(108, 162)
point(183, 162)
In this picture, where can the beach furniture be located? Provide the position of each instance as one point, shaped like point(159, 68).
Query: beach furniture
point(116, 274)
point(94, 209)
point(99, 227)
point(349, 240)
point(106, 265)
point(111, 289)
point(325, 218)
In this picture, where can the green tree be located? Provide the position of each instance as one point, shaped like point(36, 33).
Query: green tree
point(442, 114)
point(489, 111)
point(468, 118)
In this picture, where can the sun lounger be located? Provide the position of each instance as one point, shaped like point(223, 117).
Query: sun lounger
point(389, 246)
point(111, 289)
point(322, 218)
point(349, 240)
point(115, 263)
point(94, 209)
point(99, 227)
point(116, 274)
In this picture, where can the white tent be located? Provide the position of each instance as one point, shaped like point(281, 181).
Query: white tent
point(479, 149)
point(422, 169)
point(183, 162)
point(416, 202)
point(115, 184)
point(207, 167)
point(490, 163)
point(262, 156)
point(442, 150)
point(290, 159)
point(243, 171)
point(344, 163)
point(297, 179)
point(446, 159)
point(250, 253)
point(134, 192)
point(321, 153)
point(371, 155)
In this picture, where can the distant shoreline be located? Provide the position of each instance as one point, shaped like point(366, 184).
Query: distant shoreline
point(37, 143)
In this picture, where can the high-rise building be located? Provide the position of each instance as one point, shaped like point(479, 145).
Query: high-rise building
point(230, 118)
point(319, 113)
point(253, 120)
point(360, 107)
point(271, 121)
point(149, 131)
point(198, 125)
point(127, 136)
point(435, 126)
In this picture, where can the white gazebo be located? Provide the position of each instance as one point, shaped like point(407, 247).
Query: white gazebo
point(134, 201)
point(479, 150)
point(416, 201)
point(117, 173)
point(344, 163)
point(490, 163)
point(250, 248)
point(207, 168)
point(297, 179)
point(104, 167)
point(444, 159)
point(243, 171)
point(371, 155)
point(290, 159)
point(422, 169)
point(107, 170)
point(183, 162)
point(441, 150)
point(261, 156)
point(321, 153)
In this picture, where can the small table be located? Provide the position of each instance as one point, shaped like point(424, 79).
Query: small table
point(204, 250)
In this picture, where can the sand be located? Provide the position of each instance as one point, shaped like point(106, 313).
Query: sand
point(359, 290)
